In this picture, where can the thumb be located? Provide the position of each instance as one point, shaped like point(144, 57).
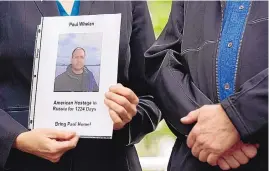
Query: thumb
point(191, 117)
point(119, 84)
point(61, 135)
point(68, 144)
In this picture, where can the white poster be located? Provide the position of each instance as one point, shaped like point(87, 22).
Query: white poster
point(76, 61)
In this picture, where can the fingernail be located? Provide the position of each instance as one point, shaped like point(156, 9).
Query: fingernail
point(183, 119)
point(107, 94)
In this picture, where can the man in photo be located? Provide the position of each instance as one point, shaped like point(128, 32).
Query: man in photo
point(77, 77)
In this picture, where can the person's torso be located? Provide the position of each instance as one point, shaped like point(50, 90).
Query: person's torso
point(199, 48)
point(201, 44)
point(70, 82)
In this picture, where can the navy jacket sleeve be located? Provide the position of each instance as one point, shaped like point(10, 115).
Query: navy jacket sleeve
point(9, 130)
point(142, 37)
point(248, 108)
point(175, 93)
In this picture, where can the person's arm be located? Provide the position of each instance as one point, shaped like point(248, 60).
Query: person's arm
point(248, 108)
point(38, 142)
point(148, 114)
point(9, 130)
point(175, 93)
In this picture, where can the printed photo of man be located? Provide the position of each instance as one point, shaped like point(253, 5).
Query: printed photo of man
point(77, 77)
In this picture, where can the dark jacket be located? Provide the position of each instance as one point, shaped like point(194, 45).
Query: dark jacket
point(181, 66)
point(18, 22)
point(68, 81)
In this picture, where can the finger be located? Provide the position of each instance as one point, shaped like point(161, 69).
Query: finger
point(212, 159)
point(123, 114)
point(63, 146)
point(126, 92)
point(223, 164)
point(191, 117)
point(45, 156)
point(196, 149)
point(54, 158)
point(232, 162)
point(203, 155)
point(119, 84)
point(122, 101)
point(60, 135)
point(249, 150)
point(192, 137)
point(240, 156)
point(51, 159)
point(118, 123)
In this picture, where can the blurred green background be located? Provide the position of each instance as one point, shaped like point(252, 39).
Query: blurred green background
point(159, 14)
point(159, 142)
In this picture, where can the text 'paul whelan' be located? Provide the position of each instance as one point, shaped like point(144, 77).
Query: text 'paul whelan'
point(82, 23)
